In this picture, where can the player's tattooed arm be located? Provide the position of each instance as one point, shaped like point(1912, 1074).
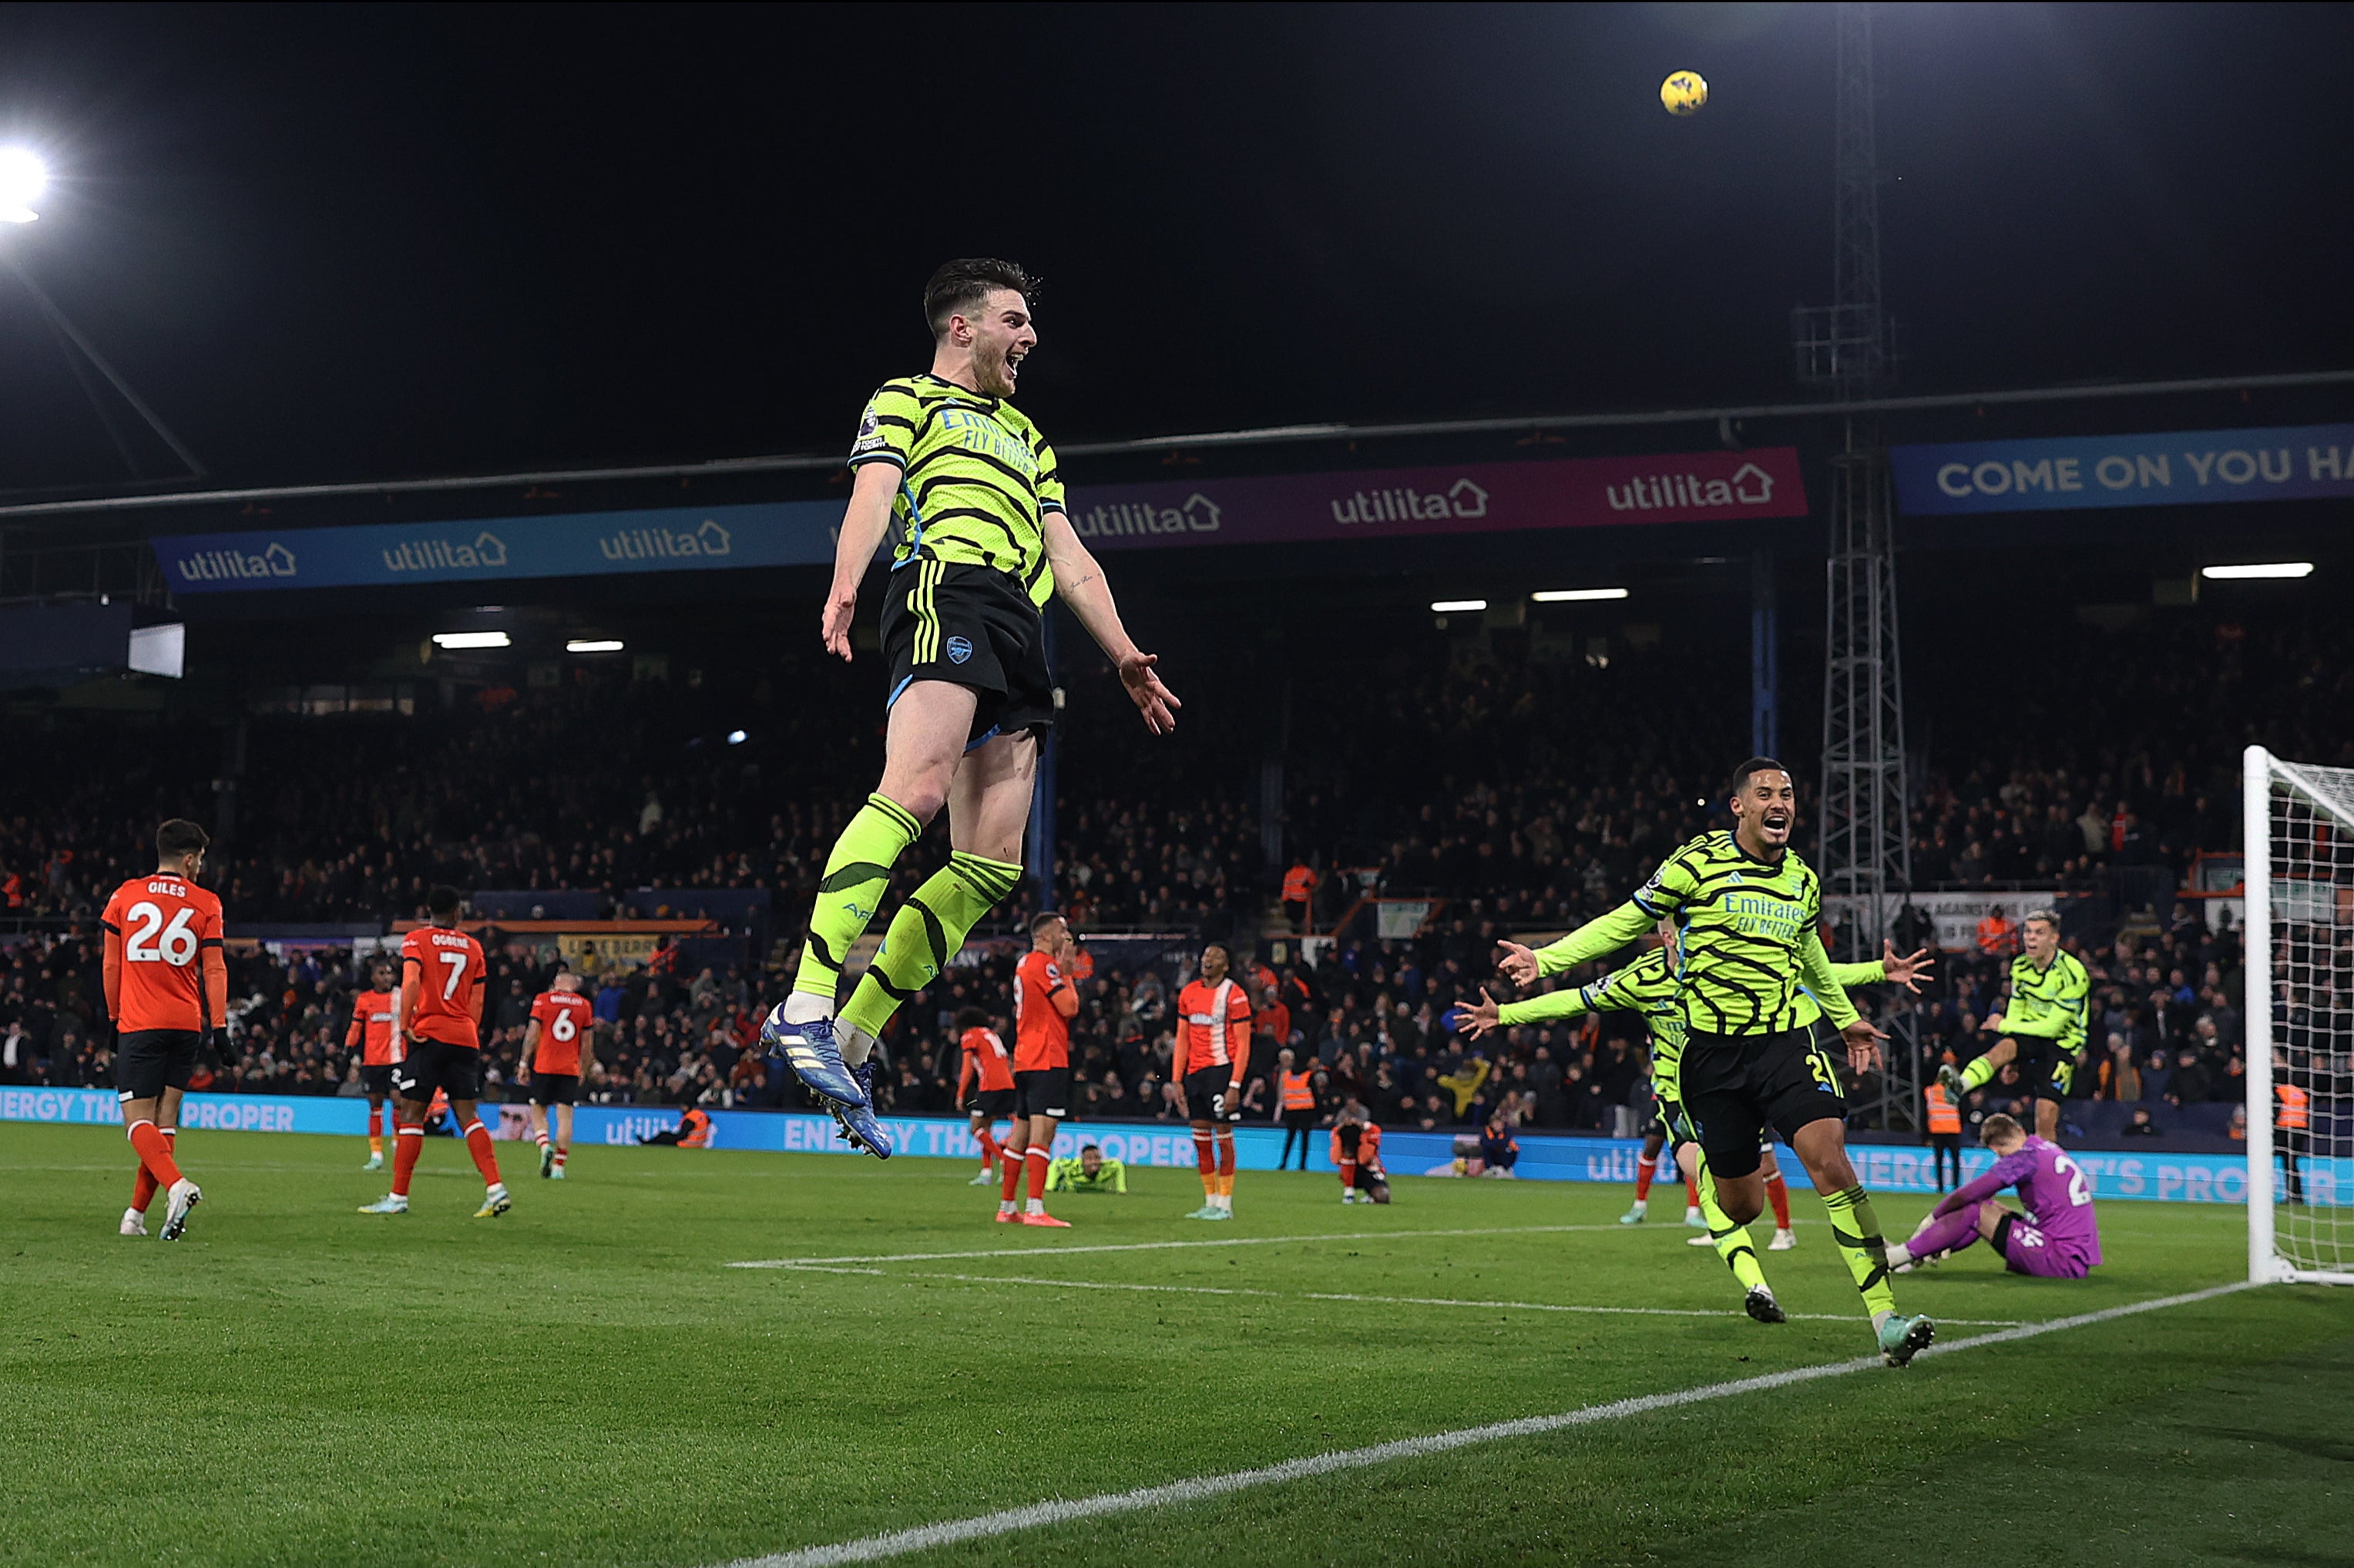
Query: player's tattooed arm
point(1080, 581)
point(864, 525)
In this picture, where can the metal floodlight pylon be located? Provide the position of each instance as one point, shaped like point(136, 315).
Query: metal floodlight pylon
point(1865, 849)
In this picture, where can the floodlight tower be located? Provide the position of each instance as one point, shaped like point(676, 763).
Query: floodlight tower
point(1843, 348)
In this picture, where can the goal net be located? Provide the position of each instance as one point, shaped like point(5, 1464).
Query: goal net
point(2299, 934)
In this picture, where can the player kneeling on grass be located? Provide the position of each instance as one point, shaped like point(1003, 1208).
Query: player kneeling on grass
point(441, 975)
point(167, 986)
point(1090, 1172)
point(693, 1132)
point(1357, 1155)
point(555, 1046)
point(2057, 1238)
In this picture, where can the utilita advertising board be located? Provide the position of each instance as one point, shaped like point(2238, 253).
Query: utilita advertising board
point(1472, 498)
point(1581, 492)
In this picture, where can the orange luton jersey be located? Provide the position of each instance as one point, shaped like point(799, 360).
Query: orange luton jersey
point(448, 973)
point(984, 1054)
point(163, 945)
point(1214, 1026)
point(561, 1015)
point(372, 1029)
point(1042, 1036)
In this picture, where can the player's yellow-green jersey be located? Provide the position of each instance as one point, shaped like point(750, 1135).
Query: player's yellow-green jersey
point(1648, 987)
point(1747, 932)
point(2048, 1003)
point(976, 478)
point(1070, 1175)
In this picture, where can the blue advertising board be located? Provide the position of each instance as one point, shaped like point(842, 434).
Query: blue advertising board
point(1884, 1168)
point(2178, 468)
point(580, 544)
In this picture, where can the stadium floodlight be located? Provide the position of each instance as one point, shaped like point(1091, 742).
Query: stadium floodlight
point(2259, 569)
point(1449, 606)
point(595, 645)
point(1576, 595)
point(456, 639)
point(23, 177)
point(736, 737)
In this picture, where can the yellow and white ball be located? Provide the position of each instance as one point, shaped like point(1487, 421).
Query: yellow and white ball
point(1684, 93)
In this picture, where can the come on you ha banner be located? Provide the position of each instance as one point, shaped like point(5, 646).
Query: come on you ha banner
point(2179, 468)
point(2114, 1175)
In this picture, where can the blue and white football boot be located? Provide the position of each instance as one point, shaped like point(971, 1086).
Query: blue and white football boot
point(811, 1051)
point(861, 1128)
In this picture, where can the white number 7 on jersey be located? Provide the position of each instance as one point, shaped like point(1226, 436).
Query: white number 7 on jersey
point(457, 962)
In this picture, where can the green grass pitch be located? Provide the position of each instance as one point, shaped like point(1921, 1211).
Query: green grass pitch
point(586, 1381)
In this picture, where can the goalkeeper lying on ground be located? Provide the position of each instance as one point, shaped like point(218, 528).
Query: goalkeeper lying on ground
point(1090, 1172)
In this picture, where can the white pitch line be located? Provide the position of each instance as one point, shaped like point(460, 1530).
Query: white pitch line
point(1848, 1317)
point(1170, 1245)
point(900, 1543)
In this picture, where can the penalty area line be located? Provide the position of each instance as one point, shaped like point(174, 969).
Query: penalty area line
point(1024, 1279)
point(1034, 1516)
point(1171, 1245)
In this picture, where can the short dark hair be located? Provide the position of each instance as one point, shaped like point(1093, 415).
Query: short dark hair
point(443, 900)
point(178, 837)
point(970, 1018)
point(959, 286)
point(1756, 765)
point(1042, 920)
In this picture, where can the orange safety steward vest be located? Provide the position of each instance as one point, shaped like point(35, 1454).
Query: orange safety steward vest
point(1297, 884)
point(2295, 1107)
point(1943, 1115)
point(1297, 1093)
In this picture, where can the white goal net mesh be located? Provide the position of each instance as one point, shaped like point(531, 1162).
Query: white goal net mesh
point(2300, 1017)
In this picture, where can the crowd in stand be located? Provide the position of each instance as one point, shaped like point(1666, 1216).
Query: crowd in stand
point(1510, 786)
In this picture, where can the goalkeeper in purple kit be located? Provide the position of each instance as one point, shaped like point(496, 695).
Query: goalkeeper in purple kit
point(2057, 1238)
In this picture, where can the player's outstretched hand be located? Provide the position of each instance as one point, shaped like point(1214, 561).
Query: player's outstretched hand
point(1907, 972)
point(1476, 1021)
point(1156, 702)
point(1862, 1045)
point(833, 622)
point(1516, 963)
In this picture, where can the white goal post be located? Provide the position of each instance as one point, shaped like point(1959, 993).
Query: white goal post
point(2298, 934)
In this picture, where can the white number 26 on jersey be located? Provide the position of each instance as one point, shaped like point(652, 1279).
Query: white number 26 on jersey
point(175, 945)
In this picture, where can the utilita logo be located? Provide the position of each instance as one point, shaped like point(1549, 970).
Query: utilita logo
point(446, 556)
point(1749, 486)
point(666, 543)
point(1126, 519)
point(273, 560)
point(1462, 499)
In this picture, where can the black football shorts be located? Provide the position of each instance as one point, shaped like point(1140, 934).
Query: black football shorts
point(947, 620)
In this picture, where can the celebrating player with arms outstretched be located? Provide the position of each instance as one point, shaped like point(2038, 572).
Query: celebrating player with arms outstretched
point(167, 990)
point(1746, 910)
point(968, 491)
point(2041, 1024)
point(2057, 1238)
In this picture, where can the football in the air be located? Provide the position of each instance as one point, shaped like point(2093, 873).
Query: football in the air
point(1684, 93)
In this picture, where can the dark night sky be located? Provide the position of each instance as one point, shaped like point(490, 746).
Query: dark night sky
point(336, 243)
